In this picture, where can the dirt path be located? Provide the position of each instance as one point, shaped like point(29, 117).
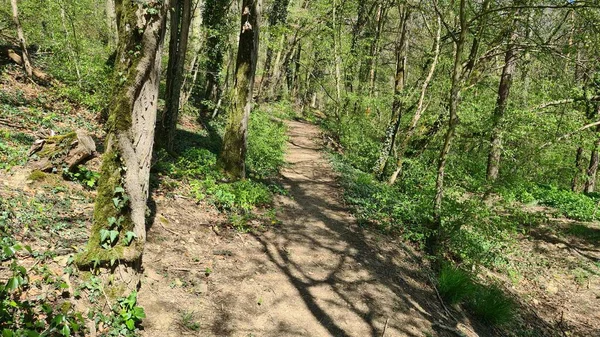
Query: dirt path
point(318, 274)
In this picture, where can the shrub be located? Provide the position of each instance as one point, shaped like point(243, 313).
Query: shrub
point(490, 304)
point(266, 145)
point(576, 206)
point(454, 284)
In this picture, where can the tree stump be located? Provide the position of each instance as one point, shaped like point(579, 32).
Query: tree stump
point(57, 151)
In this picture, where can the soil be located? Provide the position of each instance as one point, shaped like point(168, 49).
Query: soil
point(315, 274)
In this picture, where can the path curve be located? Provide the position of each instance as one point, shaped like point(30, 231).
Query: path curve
point(317, 274)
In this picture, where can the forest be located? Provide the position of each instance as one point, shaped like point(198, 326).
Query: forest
point(299, 168)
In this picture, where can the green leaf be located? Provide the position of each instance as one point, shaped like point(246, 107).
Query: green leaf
point(111, 221)
point(130, 324)
point(103, 235)
point(116, 201)
point(113, 235)
point(138, 312)
point(119, 189)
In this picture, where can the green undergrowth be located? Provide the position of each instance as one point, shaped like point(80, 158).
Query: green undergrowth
point(196, 167)
point(22, 314)
point(572, 205)
point(486, 302)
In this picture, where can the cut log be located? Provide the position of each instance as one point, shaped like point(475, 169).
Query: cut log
point(58, 151)
point(40, 75)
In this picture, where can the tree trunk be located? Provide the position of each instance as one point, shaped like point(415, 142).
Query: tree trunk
point(394, 126)
point(180, 28)
point(21, 36)
point(455, 93)
point(233, 155)
point(215, 23)
point(277, 15)
point(578, 183)
point(420, 108)
point(118, 231)
point(374, 56)
point(111, 18)
point(590, 182)
point(506, 79)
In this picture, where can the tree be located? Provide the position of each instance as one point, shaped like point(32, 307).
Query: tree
point(215, 15)
point(506, 80)
point(181, 18)
point(233, 154)
point(25, 54)
point(118, 232)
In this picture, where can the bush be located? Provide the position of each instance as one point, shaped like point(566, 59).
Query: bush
point(241, 195)
point(266, 145)
point(491, 305)
point(454, 284)
point(576, 206)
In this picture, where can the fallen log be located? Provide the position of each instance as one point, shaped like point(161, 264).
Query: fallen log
point(37, 73)
point(54, 152)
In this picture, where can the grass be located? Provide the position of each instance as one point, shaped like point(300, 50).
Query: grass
point(188, 321)
point(486, 302)
point(491, 305)
point(454, 284)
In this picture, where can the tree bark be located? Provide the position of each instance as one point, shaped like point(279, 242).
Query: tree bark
point(277, 15)
point(25, 55)
point(124, 185)
point(233, 155)
point(506, 79)
point(420, 107)
point(394, 126)
point(215, 16)
point(180, 28)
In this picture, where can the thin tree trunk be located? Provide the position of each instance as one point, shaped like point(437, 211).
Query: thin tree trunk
point(111, 18)
point(506, 79)
point(124, 185)
point(233, 155)
point(337, 61)
point(74, 58)
point(25, 56)
point(180, 27)
point(394, 126)
point(455, 93)
point(578, 183)
point(215, 16)
point(590, 182)
point(374, 57)
point(420, 108)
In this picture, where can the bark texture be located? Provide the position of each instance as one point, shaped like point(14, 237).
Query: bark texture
point(25, 56)
point(124, 185)
point(181, 16)
point(233, 155)
point(506, 79)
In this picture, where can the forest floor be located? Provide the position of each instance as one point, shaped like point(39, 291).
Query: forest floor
point(311, 272)
point(314, 274)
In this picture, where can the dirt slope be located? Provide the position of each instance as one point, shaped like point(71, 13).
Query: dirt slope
point(318, 274)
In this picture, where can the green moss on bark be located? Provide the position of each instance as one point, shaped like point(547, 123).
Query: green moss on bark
point(104, 208)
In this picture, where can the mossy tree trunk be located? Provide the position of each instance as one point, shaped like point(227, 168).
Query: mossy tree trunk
point(118, 232)
point(215, 24)
point(397, 105)
point(233, 155)
point(21, 36)
point(506, 79)
point(181, 18)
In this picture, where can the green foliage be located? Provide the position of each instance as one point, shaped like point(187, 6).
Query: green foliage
point(487, 302)
point(24, 317)
point(491, 305)
point(573, 205)
point(84, 176)
point(454, 284)
point(241, 195)
point(125, 318)
point(266, 145)
point(188, 321)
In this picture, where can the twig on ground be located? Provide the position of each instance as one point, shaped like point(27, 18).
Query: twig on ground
point(385, 327)
point(450, 329)
point(169, 230)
